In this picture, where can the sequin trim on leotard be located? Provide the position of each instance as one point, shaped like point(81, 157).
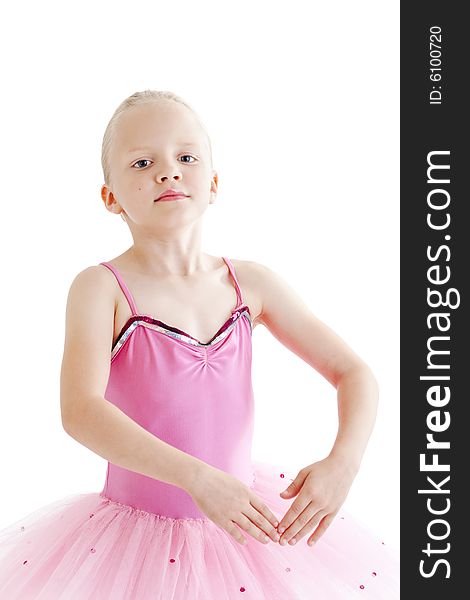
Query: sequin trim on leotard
point(151, 323)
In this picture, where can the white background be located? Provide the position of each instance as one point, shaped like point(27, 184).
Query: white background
point(301, 103)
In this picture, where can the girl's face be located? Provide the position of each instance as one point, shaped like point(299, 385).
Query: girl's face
point(157, 147)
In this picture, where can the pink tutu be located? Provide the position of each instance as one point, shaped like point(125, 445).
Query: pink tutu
point(87, 547)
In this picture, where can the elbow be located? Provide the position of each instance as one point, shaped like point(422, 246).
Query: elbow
point(369, 374)
point(64, 415)
point(75, 412)
point(66, 424)
point(68, 415)
point(361, 368)
point(72, 405)
point(361, 371)
point(373, 386)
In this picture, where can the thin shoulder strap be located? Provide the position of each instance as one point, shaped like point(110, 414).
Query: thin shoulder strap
point(237, 286)
point(124, 287)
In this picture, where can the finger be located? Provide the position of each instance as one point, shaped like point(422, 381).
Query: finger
point(320, 530)
point(298, 506)
point(302, 521)
point(262, 508)
point(308, 527)
point(235, 532)
point(251, 529)
point(262, 523)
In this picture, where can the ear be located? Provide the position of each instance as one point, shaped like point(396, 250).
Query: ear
point(109, 200)
point(214, 184)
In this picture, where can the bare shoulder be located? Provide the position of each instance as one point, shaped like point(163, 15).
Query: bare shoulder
point(289, 318)
point(93, 286)
point(276, 296)
point(248, 270)
point(253, 274)
point(254, 280)
point(274, 293)
point(89, 327)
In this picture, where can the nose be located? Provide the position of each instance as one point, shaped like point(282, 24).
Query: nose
point(171, 171)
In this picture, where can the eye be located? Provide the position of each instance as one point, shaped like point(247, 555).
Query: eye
point(140, 161)
point(189, 155)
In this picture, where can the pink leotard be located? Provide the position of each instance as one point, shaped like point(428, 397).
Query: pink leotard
point(197, 397)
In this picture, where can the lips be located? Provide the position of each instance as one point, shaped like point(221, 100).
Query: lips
point(170, 195)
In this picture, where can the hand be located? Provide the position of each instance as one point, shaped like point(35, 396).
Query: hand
point(323, 488)
point(229, 502)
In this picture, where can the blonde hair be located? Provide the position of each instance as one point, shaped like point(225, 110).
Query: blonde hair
point(144, 97)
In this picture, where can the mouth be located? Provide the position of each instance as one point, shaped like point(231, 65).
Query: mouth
point(170, 197)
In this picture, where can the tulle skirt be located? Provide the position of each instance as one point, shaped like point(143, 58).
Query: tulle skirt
point(88, 547)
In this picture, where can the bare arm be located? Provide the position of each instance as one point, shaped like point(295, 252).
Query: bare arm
point(86, 414)
point(357, 393)
point(319, 346)
point(321, 487)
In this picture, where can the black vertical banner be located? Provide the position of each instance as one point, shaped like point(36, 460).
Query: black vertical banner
point(435, 269)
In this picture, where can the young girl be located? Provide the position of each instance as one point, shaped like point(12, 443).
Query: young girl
point(156, 379)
